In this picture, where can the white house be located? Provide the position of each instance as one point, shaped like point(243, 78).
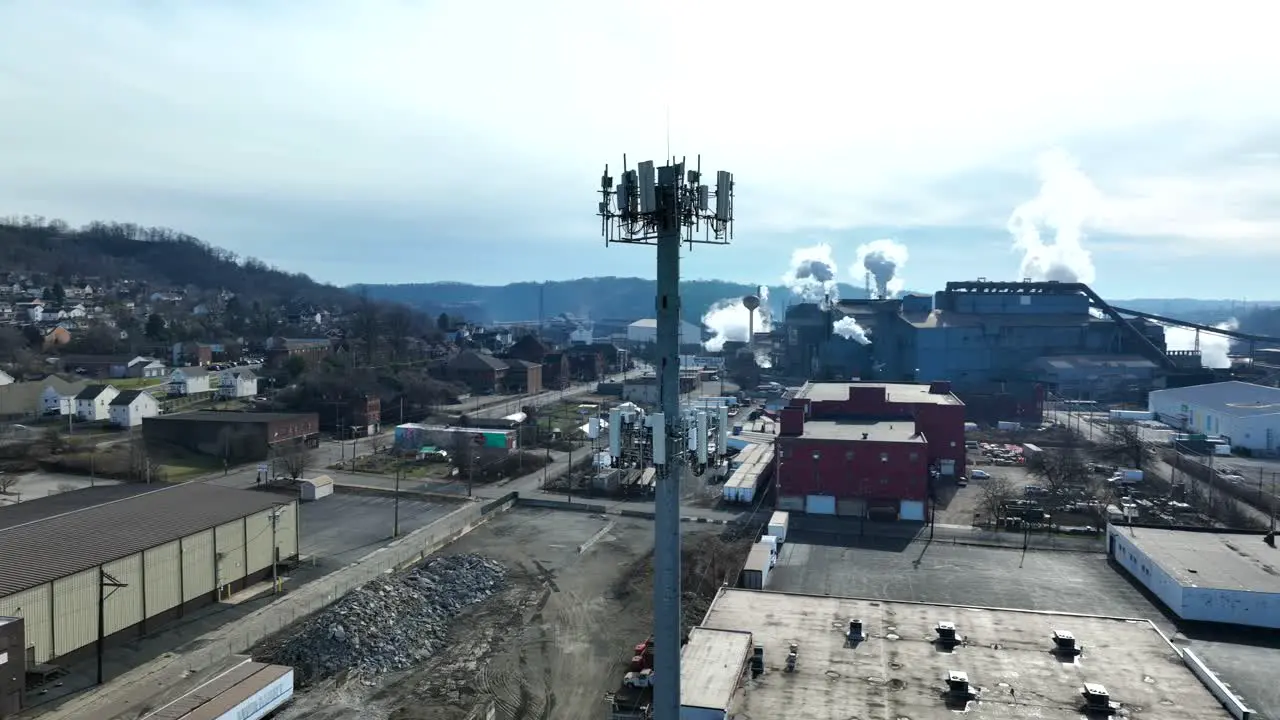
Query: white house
point(6, 378)
point(189, 381)
point(129, 407)
point(644, 332)
point(59, 396)
point(93, 401)
point(580, 336)
point(145, 367)
point(238, 384)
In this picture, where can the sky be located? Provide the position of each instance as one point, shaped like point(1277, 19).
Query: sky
point(407, 141)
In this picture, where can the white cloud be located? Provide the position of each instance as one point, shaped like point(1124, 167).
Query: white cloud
point(832, 115)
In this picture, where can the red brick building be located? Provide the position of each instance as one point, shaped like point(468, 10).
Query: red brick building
point(867, 449)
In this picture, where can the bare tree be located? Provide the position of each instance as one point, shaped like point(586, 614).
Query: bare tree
point(1058, 469)
point(1126, 445)
point(141, 467)
point(994, 492)
point(7, 481)
point(296, 460)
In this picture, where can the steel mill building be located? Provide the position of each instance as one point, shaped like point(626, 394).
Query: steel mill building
point(147, 555)
point(868, 449)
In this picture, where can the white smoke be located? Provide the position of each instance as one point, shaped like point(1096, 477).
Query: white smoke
point(812, 276)
point(1066, 202)
point(849, 329)
point(1213, 348)
point(884, 259)
point(728, 320)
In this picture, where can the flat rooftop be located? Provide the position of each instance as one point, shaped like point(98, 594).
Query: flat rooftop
point(1228, 561)
point(711, 663)
point(898, 671)
point(896, 392)
point(899, 431)
point(229, 417)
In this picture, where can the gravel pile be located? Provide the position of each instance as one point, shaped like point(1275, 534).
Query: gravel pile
point(390, 624)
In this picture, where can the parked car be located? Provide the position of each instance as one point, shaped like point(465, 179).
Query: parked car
point(979, 475)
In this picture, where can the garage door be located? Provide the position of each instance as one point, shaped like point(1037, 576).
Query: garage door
point(794, 503)
point(912, 510)
point(851, 507)
point(820, 504)
point(882, 511)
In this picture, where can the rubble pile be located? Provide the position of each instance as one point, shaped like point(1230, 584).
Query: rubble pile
point(388, 624)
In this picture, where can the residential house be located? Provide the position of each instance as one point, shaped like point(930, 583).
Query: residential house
point(6, 313)
point(580, 336)
point(523, 377)
point(195, 353)
point(166, 297)
point(6, 378)
point(129, 407)
point(586, 363)
point(58, 396)
point(238, 384)
point(481, 372)
point(75, 311)
point(190, 381)
point(555, 370)
point(56, 336)
point(93, 401)
point(530, 349)
point(146, 367)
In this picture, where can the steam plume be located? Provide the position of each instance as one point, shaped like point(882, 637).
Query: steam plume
point(1213, 348)
point(812, 275)
point(884, 259)
point(728, 320)
point(1066, 202)
point(848, 328)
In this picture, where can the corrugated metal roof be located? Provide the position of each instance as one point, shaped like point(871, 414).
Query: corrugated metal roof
point(55, 547)
point(65, 502)
point(1233, 398)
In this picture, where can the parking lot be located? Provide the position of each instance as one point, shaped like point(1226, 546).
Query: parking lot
point(341, 528)
point(1057, 581)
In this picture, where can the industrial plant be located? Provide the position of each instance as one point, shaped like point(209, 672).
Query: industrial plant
point(1003, 346)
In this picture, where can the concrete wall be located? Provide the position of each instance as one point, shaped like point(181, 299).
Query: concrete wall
point(129, 692)
point(1239, 607)
point(1125, 552)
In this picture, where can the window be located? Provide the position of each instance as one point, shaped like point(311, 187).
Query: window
point(953, 443)
point(915, 456)
point(848, 455)
point(884, 457)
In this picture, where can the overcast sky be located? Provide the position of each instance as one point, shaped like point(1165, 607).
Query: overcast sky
point(403, 141)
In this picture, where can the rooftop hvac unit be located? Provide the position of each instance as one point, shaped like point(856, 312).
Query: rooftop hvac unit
point(1064, 643)
point(958, 687)
point(1097, 699)
point(793, 655)
point(947, 633)
point(855, 631)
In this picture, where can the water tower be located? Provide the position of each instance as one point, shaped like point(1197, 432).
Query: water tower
point(751, 302)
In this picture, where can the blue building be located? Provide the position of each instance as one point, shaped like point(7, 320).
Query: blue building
point(1001, 345)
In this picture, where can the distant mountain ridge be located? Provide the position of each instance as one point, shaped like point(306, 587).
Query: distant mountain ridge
point(629, 297)
point(596, 298)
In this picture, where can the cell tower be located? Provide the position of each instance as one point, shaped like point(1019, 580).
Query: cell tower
point(666, 211)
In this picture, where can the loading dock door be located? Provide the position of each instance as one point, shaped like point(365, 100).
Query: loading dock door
point(820, 504)
point(882, 511)
point(851, 507)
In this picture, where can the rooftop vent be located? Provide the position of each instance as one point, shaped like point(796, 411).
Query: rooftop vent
point(958, 686)
point(792, 656)
point(947, 635)
point(757, 661)
point(855, 631)
point(1097, 699)
point(1064, 643)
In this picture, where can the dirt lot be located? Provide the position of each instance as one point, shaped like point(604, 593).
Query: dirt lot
point(548, 647)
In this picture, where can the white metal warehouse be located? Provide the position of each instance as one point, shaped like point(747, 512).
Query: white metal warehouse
point(1204, 575)
point(1246, 415)
point(153, 554)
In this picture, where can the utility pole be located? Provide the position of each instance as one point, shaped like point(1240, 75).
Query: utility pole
point(395, 524)
point(667, 213)
point(275, 550)
point(105, 580)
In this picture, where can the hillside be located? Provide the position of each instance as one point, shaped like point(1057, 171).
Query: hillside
point(598, 297)
point(155, 259)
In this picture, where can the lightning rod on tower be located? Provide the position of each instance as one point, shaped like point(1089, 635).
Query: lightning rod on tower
point(667, 207)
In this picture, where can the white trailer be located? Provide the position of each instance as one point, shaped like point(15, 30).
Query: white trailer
point(778, 525)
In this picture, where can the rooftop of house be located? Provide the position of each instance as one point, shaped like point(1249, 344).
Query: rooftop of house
point(1226, 561)
point(91, 392)
point(896, 431)
point(126, 397)
point(905, 393)
point(899, 670)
